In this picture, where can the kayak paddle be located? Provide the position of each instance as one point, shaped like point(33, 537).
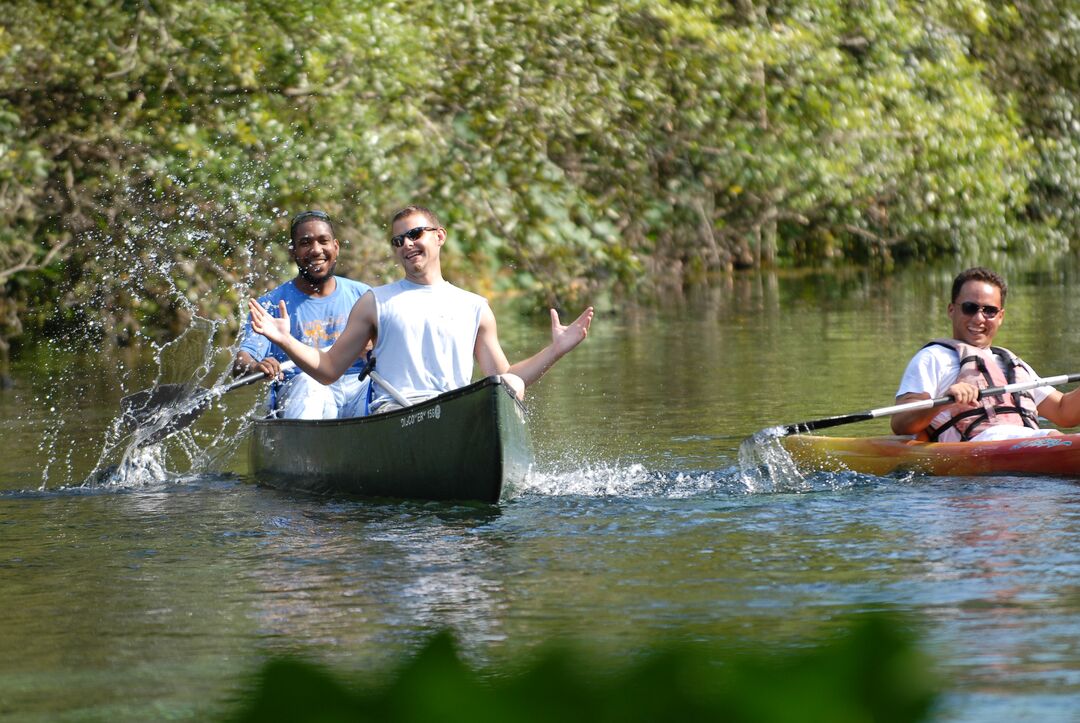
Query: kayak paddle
point(785, 430)
point(172, 407)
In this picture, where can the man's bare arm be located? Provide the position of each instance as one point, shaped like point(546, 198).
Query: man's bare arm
point(563, 340)
point(1062, 409)
point(915, 421)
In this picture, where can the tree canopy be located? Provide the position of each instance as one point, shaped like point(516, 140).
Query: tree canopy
point(151, 152)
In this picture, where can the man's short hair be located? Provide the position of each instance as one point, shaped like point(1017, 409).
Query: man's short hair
point(411, 209)
point(309, 216)
point(978, 273)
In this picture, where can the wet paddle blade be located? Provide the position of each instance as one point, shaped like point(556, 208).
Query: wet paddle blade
point(140, 407)
point(156, 413)
point(164, 410)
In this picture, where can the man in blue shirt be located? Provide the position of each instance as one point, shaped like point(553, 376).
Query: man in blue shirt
point(318, 304)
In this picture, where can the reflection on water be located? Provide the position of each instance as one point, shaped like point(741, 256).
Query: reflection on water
point(992, 588)
point(225, 571)
point(151, 592)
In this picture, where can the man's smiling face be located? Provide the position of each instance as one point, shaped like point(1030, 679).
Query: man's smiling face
point(980, 299)
point(420, 254)
point(315, 251)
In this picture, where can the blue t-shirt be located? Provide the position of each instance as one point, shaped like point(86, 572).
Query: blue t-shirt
point(316, 321)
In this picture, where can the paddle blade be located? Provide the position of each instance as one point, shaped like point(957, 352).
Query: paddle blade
point(140, 407)
point(164, 410)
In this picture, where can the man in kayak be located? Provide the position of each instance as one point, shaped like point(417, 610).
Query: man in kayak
point(426, 331)
point(318, 304)
point(959, 367)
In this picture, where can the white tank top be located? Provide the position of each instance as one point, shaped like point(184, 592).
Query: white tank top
point(426, 338)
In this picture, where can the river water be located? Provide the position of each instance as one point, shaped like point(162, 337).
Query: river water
point(155, 592)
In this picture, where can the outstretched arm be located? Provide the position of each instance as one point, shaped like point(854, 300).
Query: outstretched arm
point(323, 366)
point(563, 339)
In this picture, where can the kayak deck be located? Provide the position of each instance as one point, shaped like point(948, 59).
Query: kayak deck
point(1055, 455)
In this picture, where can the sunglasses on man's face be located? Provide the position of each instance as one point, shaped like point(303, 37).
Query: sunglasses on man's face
point(412, 234)
point(970, 308)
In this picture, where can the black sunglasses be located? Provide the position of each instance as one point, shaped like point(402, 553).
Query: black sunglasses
point(412, 234)
point(970, 308)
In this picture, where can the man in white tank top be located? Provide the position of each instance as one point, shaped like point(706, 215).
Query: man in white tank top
point(426, 331)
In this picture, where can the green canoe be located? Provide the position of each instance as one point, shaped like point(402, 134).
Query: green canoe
point(468, 444)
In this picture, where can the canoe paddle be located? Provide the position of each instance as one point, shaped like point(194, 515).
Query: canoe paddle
point(785, 430)
point(369, 371)
point(172, 407)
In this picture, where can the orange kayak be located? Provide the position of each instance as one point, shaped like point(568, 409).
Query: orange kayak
point(1058, 455)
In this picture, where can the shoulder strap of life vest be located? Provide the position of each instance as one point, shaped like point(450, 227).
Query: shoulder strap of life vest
point(1021, 404)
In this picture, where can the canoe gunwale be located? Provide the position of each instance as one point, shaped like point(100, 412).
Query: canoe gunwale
point(397, 413)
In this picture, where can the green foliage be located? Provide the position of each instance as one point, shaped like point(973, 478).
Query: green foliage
point(175, 133)
point(871, 672)
point(151, 153)
point(1029, 51)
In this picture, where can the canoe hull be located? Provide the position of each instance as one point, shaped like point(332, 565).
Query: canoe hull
point(468, 444)
point(1054, 456)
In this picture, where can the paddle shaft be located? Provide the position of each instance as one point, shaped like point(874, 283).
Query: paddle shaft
point(922, 404)
point(369, 371)
point(391, 390)
point(249, 379)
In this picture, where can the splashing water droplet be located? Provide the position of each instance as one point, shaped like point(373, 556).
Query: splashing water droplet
point(151, 261)
point(765, 466)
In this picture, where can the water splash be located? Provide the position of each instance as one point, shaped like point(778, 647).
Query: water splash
point(764, 469)
point(765, 466)
point(186, 245)
point(604, 479)
point(139, 466)
point(151, 263)
point(150, 451)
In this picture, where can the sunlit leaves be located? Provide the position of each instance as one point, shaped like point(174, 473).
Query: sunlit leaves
point(569, 146)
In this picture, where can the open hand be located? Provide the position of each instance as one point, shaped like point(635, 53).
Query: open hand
point(565, 338)
point(276, 330)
